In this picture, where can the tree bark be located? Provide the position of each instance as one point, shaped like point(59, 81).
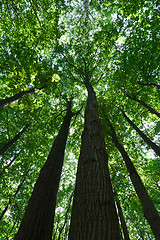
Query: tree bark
point(94, 214)
point(38, 219)
point(10, 100)
point(149, 209)
point(12, 141)
point(150, 109)
point(143, 136)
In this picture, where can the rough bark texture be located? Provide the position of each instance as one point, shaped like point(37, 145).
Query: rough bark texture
point(37, 223)
point(10, 100)
point(149, 209)
point(94, 215)
point(145, 138)
point(12, 141)
point(150, 109)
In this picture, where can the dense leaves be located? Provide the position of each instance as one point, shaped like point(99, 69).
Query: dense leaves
point(52, 47)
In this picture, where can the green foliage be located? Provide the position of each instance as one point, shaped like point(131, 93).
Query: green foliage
point(56, 45)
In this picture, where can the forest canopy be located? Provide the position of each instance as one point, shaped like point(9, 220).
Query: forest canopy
point(79, 115)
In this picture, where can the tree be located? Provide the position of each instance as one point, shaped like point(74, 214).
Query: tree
point(8, 165)
point(58, 44)
point(10, 200)
point(93, 201)
point(120, 214)
point(145, 138)
point(38, 219)
point(16, 97)
point(150, 212)
point(12, 141)
point(144, 104)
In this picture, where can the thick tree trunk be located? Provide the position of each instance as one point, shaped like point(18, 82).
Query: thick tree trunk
point(150, 109)
point(94, 214)
point(13, 197)
point(10, 100)
point(145, 138)
point(122, 219)
point(12, 141)
point(37, 223)
point(149, 209)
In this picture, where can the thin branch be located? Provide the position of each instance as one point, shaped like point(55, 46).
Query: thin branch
point(76, 79)
point(149, 84)
point(66, 216)
point(93, 69)
point(92, 57)
point(85, 64)
point(16, 220)
point(16, 10)
point(9, 164)
point(76, 115)
point(8, 126)
point(31, 2)
point(99, 79)
point(14, 195)
point(79, 71)
point(60, 114)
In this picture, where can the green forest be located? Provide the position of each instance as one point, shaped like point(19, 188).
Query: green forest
point(79, 120)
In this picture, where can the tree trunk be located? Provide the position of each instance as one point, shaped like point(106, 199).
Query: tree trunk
point(150, 109)
point(9, 164)
point(94, 214)
point(38, 219)
point(149, 209)
point(10, 100)
point(66, 217)
point(145, 138)
point(11, 200)
point(11, 142)
point(122, 219)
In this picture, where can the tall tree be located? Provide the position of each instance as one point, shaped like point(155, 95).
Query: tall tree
point(38, 219)
point(11, 199)
point(93, 213)
point(116, 43)
point(9, 164)
point(122, 219)
point(145, 138)
point(10, 100)
point(149, 209)
point(13, 140)
point(150, 109)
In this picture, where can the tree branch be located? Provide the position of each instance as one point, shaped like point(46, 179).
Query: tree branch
point(79, 71)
